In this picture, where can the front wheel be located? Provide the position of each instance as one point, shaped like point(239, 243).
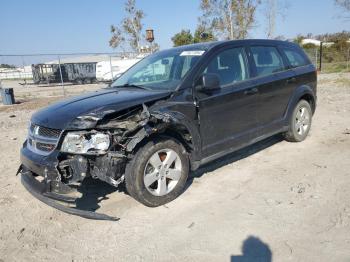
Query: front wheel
point(300, 122)
point(158, 172)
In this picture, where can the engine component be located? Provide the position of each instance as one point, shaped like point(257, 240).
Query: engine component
point(109, 168)
point(74, 169)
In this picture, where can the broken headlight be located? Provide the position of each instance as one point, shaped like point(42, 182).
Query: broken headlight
point(85, 142)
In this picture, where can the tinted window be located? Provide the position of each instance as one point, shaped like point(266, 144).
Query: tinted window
point(230, 65)
point(294, 57)
point(267, 60)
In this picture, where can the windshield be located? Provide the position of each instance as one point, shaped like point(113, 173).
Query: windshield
point(160, 71)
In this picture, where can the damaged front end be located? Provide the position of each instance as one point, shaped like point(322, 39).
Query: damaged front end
point(102, 152)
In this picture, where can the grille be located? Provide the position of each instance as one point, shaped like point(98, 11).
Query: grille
point(42, 140)
point(49, 132)
point(45, 147)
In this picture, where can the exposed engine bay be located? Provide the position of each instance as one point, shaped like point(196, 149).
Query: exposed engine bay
point(104, 151)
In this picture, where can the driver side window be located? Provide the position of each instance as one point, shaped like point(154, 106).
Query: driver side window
point(230, 65)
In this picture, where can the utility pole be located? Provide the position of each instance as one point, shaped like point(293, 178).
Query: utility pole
point(62, 84)
point(271, 15)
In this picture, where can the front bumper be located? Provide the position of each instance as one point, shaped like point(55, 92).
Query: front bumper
point(50, 190)
point(44, 166)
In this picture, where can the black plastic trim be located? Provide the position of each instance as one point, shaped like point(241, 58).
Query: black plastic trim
point(38, 190)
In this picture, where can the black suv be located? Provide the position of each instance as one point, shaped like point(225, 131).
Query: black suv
point(170, 113)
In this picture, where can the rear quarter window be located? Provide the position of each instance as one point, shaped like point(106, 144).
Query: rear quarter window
point(295, 57)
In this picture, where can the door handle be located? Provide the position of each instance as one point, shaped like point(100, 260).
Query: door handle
point(291, 80)
point(252, 91)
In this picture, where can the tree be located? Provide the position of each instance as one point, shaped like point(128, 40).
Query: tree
point(183, 38)
point(132, 24)
point(7, 66)
point(203, 34)
point(345, 4)
point(117, 38)
point(131, 28)
point(229, 19)
point(298, 40)
point(272, 10)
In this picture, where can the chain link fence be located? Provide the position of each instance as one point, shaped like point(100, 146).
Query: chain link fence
point(329, 60)
point(65, 68)
point(85, 68)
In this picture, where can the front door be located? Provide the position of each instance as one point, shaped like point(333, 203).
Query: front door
point(228, 116)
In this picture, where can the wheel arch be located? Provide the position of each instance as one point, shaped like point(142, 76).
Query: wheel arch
point(302, 92)
point(177, 127)
point(310, 99)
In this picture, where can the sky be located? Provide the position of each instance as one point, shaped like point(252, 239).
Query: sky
point(66, 26)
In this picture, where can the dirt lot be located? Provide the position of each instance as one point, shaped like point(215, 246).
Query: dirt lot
point(290, 201)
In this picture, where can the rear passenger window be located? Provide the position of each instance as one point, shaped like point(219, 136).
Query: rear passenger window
point(267, 60)
point(294, 57)
point(230, 65)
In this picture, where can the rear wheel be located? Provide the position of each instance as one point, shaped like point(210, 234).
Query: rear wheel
point(300, 122)
point(158, 172)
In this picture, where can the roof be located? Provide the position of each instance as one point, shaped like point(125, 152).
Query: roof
point(208, 45)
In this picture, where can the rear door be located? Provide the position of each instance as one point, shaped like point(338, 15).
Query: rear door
point(227, 116)
point(276, 83)
point(301, 65)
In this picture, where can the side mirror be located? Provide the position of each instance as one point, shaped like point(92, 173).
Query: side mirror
point(208, 82)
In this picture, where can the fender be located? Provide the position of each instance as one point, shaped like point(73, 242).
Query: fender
point(299, 92)
point(178, 121)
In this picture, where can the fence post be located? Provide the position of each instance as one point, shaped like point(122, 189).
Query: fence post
point(24, 73)
point(348, 60)
point(62, 84)
point(316, 56)
point(110, 64)
point(321, 53)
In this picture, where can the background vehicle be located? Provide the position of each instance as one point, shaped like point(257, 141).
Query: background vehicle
point(104, 71)
point(71, 72)
point(170, 113)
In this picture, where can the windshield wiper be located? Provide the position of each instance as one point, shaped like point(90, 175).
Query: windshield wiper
point(132, 85)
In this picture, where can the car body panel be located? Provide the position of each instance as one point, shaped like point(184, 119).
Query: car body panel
point(221, 121)
point(95, 104)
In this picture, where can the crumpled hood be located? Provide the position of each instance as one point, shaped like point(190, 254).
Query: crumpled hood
point(63, 114)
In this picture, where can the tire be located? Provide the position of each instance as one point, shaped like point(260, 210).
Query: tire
point(144, 168)
point(300, 122)
point(87, 81)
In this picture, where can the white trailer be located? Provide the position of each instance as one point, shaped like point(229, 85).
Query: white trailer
point(108, 70)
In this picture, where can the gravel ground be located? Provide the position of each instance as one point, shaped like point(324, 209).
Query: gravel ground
point(279, 200)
